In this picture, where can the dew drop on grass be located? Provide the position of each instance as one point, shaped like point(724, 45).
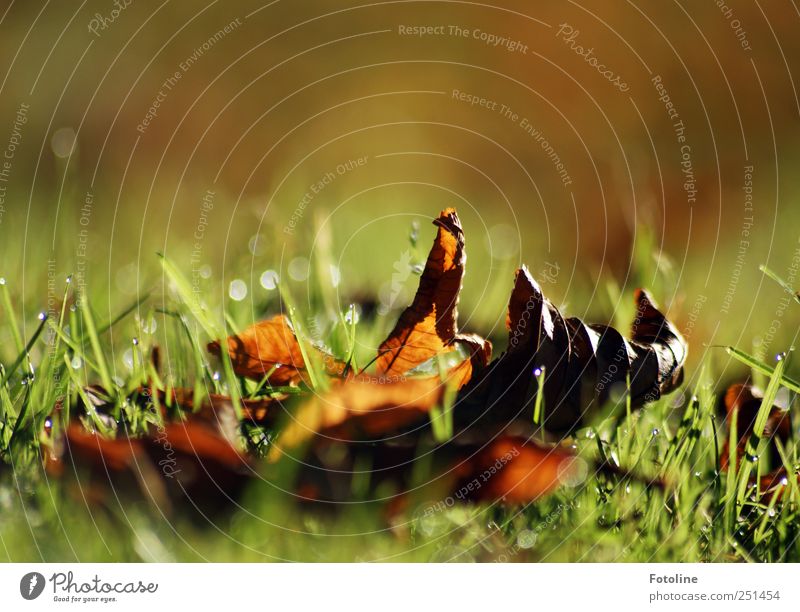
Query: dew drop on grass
point(526, 538)
point(127, 359)
point(780, 356)
point(237, 290)
point(269, 279)
point(298, 269)
point(771, 512)
point(205, 271)
point(353, 314)
point(76, 362)
point(655, 431)
point(135, 342)
point(2, 281)
point(784, 481)
point(215, 376)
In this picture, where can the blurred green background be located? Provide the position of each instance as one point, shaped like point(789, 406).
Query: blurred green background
point(228, 136)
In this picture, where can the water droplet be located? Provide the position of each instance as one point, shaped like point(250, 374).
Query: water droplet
point(256, 245)
point(237, 290)
point(572, 471)
point(537, 372)
point(127, 358)
point(215, 376)
point(2, 281)
point(48, 423)
point(784, 481)
point(752, 458)
point(298, 269)
point(136, 342)
point(269, 279)
point(655, 431)
point(771, 512)
point(205, 271)
point(590, 434)
point(353, 314)
point(627, 488)
point(780, 356)
point(336, 275)
point(76, 362)
point(63, 142)
point(69, 279)
point(526, 538)
point(42, 316)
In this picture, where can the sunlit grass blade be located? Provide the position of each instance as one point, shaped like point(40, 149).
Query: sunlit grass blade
point(94, 340)
point(190, 299)
point(769, 398)
point(25, 351)
point(786, 286)
point(768, 370)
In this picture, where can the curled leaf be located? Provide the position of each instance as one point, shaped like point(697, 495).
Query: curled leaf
point(429, 325)
point(581, 364)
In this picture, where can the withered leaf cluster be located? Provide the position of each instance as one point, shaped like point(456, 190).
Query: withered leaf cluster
point(387, 419)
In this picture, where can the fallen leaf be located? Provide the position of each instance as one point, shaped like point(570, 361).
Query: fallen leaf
point(270, 348)
point(581, 364)
point(512, 470)
point(178, 462)
point(745, 401)
point(429, 325)
point(359, 409)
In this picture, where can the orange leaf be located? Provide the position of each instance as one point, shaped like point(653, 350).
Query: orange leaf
point(363, 407)
point(429, 325)
point(270, 346)
point(513, 470)
point(745, 400)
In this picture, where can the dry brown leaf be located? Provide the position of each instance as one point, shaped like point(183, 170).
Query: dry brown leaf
point(271, 347)
point(429, 325)
point(582, 363)
point(267, 347)
point(177, 462)
point(362, 408)
point(745, 400)
point(512, 470)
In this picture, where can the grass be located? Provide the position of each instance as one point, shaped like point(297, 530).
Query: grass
point(653, 489)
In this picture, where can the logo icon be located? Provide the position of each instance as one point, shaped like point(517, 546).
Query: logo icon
point(31, 585)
